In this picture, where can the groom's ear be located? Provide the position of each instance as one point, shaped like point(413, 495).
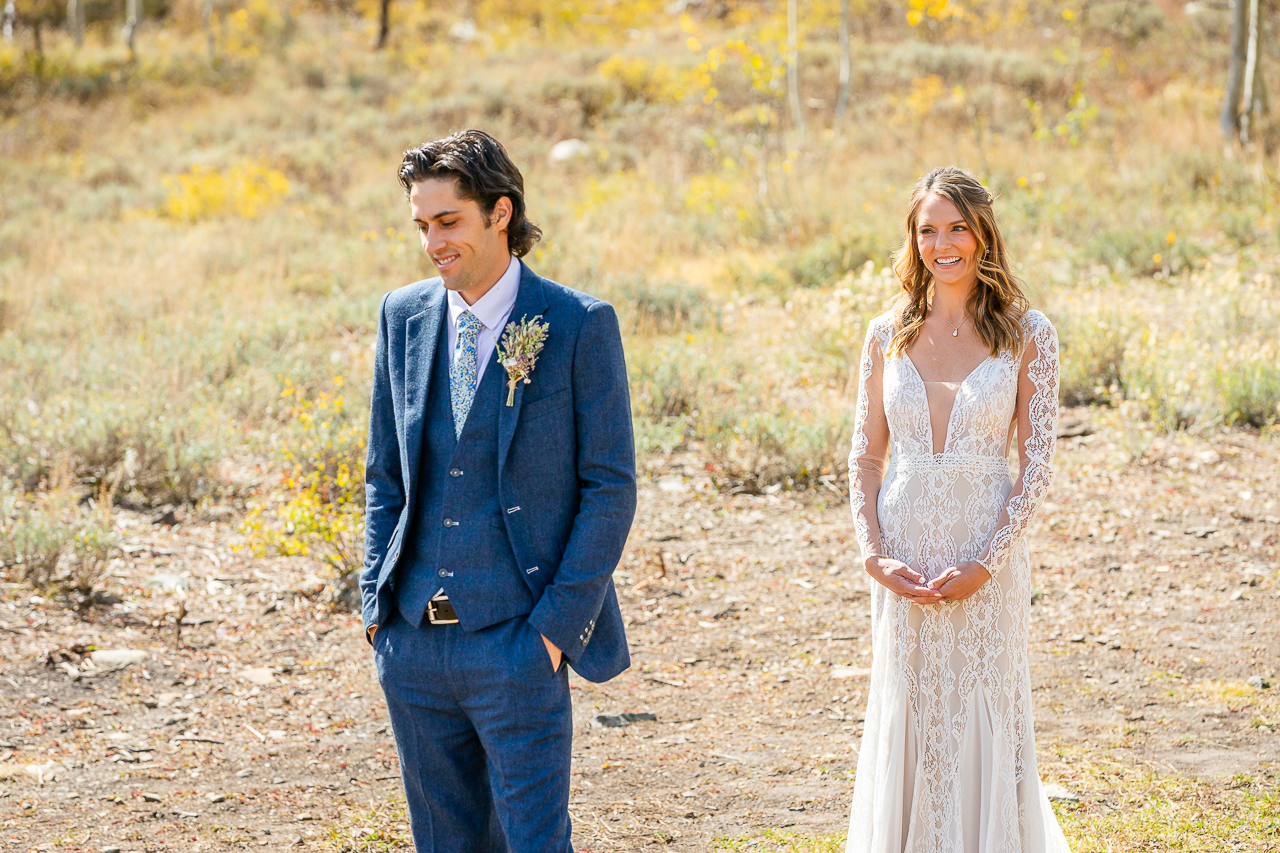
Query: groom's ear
point(500, 218)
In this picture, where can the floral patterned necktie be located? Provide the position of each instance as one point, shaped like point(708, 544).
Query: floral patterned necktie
point(462, 374)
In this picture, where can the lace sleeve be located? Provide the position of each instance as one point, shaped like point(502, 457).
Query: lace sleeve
point(1037, 417)
point(870, 446)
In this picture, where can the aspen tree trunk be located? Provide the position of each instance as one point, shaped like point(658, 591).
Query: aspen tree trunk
point(793, 62)
point(75, 20)
point(842, 100)
point(1229, 121)
point(206, 15)
point(384, 25)
point(131, 28)
point(10, 15)
point(1255, 99)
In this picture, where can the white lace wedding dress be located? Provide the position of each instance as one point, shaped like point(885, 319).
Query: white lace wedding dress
point(948, 761)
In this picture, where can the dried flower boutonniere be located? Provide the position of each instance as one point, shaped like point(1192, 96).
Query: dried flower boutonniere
point(518, 351)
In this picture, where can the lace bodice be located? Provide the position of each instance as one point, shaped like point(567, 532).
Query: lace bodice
point(1004, 397)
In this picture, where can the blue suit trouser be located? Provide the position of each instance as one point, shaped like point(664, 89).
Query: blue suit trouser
point(484, 732)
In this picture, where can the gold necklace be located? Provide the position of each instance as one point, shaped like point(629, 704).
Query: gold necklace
point(955, 330)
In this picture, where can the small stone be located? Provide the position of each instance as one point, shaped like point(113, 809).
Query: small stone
point(1114, 567)
point(641, 717)
point(117, 657)
point(108, 850)
point(609, 721)
point(1077, 638)
point(1238, 595)
point(215, 797)
point(849, 671)
point(305, 816)
point(165, 515)
point(149, 797)
point(259, 675)
point(245, 772)
point(164, 700)
point(569, 149)
point(1060, 794)
point(1258, 682)
point(167, 583)
point(44, 772)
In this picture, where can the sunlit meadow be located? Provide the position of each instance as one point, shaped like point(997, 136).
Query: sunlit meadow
point(193, 241)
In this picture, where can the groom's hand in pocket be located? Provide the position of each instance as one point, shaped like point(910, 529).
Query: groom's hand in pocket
point(553, 651)
point(960, 581)
point(902, 580)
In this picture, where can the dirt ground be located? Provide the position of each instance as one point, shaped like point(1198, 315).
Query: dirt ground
point(261, 724)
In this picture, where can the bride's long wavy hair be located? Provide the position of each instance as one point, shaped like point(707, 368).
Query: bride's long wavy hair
point(997, 303)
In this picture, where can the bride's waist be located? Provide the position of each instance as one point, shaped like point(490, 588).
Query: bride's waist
point(957, 462)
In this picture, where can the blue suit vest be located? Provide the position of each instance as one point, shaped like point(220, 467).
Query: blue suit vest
point(458, 538)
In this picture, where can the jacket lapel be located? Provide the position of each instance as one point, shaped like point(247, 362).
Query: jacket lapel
point(422, 331)
point(530, 302)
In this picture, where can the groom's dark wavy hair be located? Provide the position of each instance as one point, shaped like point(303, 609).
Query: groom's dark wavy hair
point(485, 174)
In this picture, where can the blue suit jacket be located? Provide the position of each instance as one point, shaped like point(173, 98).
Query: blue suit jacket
point(566, 457)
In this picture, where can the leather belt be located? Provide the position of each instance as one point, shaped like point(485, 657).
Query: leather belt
point(440, 610)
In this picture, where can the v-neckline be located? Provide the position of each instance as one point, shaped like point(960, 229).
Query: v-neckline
point(946, 438)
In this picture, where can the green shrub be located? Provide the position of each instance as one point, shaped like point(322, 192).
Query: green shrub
point(661, 308)
point(1250, 392)
point(49, 542)
point(826, 260)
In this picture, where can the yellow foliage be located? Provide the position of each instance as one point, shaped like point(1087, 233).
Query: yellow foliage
point(642, 80)
point(246, 190)
point(319, 511)
point(938, 10)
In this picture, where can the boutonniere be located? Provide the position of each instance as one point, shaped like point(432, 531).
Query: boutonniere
point(518, 351)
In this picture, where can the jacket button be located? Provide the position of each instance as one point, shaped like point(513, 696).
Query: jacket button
point(443, 573)
point(449, 522)
point(455, 472)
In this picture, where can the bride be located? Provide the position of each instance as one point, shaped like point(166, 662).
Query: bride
point(951, 374)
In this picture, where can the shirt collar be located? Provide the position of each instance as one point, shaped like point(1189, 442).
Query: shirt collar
point(494, 305)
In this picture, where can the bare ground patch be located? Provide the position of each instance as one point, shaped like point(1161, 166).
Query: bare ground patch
point(260, 725)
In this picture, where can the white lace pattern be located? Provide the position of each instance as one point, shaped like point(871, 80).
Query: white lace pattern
point(947, 762)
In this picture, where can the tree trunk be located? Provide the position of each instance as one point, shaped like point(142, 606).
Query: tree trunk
point(384, 25)
point(793, 62)
point(131, 28)
point(206, 15)
point(842, 100)
point(1254, 104)
point(1229, 121)
point(75, 21)
point(10, 16)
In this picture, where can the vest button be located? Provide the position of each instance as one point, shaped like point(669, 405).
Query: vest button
point(443, 573)
point(455, 472)
point(449, 522)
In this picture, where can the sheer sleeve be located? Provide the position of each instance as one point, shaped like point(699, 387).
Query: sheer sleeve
point(870, 445)
point(1037, 419)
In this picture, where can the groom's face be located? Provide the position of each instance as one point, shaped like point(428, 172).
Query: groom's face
point(468, 248)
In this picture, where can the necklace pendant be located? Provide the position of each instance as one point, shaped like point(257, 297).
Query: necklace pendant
point(955, 333)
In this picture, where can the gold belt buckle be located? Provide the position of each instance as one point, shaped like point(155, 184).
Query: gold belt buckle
point(433, 618)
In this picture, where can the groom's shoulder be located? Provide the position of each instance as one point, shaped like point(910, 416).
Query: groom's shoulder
point(412, 298)
point(567, 299)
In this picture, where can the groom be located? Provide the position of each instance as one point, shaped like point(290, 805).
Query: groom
point(497, 509)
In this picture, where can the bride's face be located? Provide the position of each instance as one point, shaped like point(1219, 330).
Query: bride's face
point(947, 245)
